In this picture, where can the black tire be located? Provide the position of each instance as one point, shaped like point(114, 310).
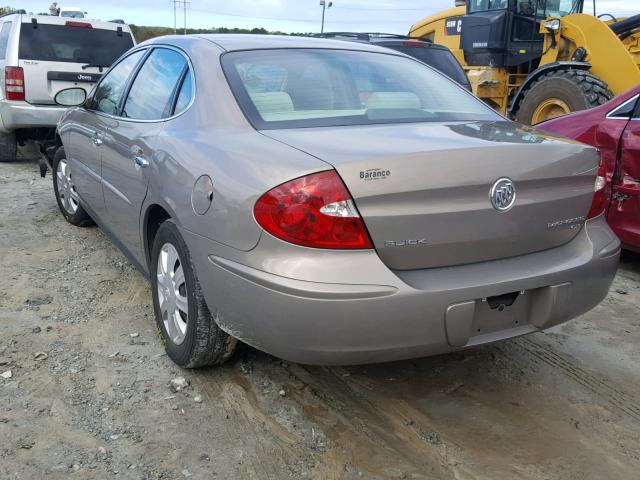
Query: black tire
point(8, 147)
point(578, 89)
point(204, 342)
point(79, 217)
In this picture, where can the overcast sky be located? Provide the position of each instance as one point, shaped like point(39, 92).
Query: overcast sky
point(284, 15)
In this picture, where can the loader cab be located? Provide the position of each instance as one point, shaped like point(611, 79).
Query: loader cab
point(506, 33)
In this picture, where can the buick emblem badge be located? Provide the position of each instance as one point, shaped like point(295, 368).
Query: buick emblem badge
point(503, 194)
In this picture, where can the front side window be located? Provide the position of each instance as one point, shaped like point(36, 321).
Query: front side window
point(152, 90)
point(291, 88)
point(73, 44)
point(110, 89)
point(4, 39)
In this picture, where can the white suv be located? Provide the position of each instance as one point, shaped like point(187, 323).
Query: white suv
point(41, 55)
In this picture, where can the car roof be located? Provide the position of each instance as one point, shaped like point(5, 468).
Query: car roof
point(383, 39)
point(416, 42)
point(234, 42)
point(55, 20)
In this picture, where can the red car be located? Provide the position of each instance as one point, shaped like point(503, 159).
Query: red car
point(614, 128)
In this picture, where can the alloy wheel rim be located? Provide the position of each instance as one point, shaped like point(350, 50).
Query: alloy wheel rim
point(66, 188)
point(550, 108)
point(172, 294)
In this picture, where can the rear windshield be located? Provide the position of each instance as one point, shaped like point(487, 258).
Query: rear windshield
point(60, 43)
point(289, 88)
point(439, 58)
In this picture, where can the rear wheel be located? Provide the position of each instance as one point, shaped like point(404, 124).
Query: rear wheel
point(192, 337)
point(8, 147)
point(561, 92)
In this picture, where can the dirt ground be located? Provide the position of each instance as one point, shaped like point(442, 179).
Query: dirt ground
point(90, 393)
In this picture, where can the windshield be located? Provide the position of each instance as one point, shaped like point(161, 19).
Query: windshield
point(484, 5)
point(558, 8)
point(72, 14)
point(542, 8)
point(289, 88)
point(60, 43)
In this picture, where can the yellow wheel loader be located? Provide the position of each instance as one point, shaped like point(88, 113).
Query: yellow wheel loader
point(534, 60)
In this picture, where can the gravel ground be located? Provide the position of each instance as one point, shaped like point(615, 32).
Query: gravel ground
point(87, 392)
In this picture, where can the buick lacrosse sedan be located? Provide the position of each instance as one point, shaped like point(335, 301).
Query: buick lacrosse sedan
point(329, 202)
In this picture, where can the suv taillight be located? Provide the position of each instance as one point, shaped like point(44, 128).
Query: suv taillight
point(314, 211)
point(602, 193)
point(14, 83)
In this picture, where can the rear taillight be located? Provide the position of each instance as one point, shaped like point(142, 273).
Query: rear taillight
point(314, 211)
point(602, 193)
point(14, 83)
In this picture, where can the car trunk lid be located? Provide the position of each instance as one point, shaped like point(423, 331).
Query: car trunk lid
point(423, 189)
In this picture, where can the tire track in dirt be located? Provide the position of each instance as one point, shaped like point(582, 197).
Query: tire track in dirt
point(371, 430)
point(269, 448)
point(615, 395)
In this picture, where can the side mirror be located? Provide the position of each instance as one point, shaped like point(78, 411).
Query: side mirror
point(71, 97)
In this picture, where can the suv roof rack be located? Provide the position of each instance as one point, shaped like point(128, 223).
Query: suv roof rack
point(20, 11)
point(368, 36)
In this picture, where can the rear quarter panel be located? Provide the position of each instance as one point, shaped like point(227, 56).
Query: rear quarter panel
point(212, 137)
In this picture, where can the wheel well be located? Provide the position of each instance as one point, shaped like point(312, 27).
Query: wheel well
point(156, 215)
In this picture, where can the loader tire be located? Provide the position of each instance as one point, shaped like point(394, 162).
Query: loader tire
point(561, 92)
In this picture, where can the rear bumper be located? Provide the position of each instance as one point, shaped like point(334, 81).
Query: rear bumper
point(17, 115)
point(369, 314)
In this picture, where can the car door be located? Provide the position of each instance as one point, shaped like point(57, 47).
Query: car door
point(624, 212)
point(84, 132)
point(128, 143)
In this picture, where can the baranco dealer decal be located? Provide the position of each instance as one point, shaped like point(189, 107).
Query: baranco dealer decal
point(374, 174)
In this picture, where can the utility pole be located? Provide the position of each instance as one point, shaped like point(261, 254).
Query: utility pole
point(184, 4)
point(324, 6)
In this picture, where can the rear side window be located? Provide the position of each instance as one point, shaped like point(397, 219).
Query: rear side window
point(186, 93)
point(624, 111)
point(151, 93)
point(110, 89)
point(61, 43)
point(4, 39)
point(438, 58)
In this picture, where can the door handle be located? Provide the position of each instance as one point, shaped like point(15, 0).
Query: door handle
point(140, 161)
